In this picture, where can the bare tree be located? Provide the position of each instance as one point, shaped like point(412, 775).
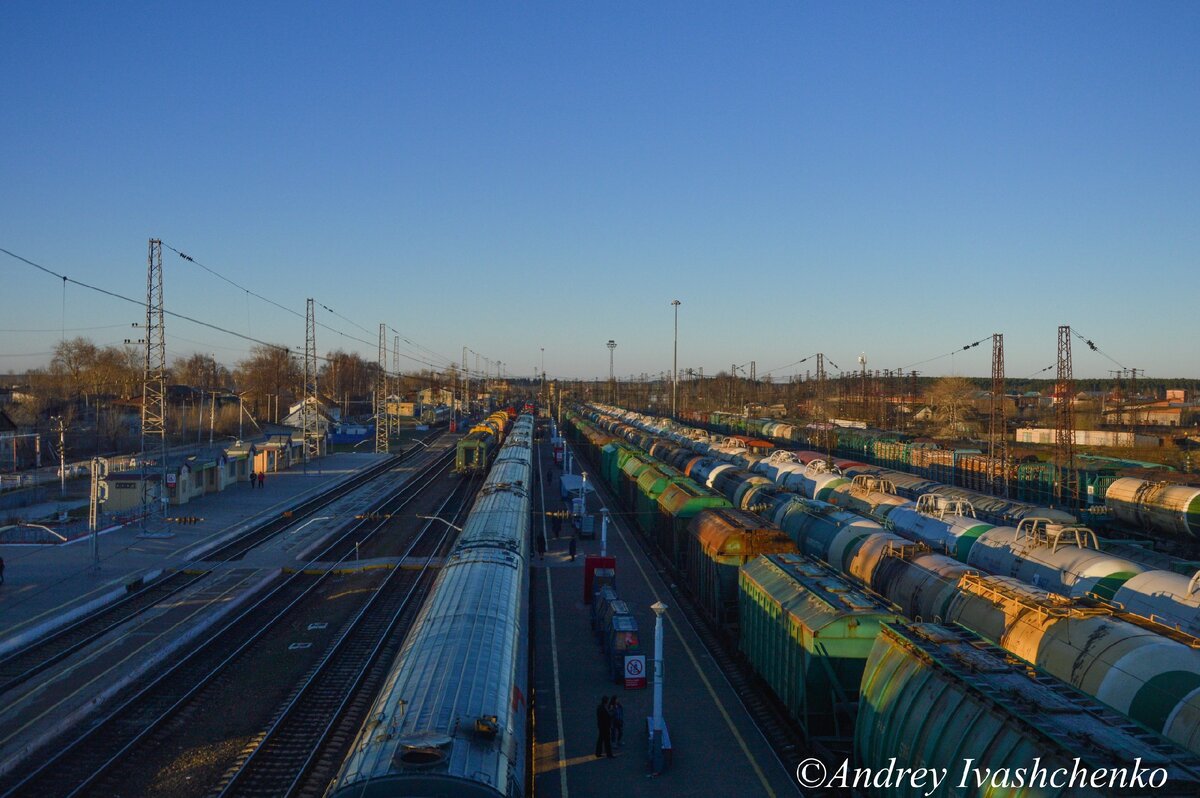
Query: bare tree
point(269, 371)
point(951, 399)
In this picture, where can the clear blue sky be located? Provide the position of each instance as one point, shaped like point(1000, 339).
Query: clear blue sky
point(891, 178)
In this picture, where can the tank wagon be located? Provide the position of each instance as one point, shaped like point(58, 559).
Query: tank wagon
point(1173, 510)
point(1041, 546)
point(450, 718)
point(939, 695)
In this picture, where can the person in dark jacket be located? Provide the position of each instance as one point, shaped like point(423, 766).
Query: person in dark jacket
point(604, 727)
point(253, 476)
point(617, 710)
point(573, 548)
point(1, 570)
point(541, 546)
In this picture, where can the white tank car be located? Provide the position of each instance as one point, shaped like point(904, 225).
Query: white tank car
point(1060, 559)
point(1173, 510)
point(1151, 677)
point(1163, 596)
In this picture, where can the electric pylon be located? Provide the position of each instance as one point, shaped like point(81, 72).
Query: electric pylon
point(308, 408)
point(381, 431)
point(154, 371)
point(1064, 427)
point(998, 422)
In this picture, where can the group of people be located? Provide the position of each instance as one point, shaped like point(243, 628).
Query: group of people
point(610, 724)
point(260, 476)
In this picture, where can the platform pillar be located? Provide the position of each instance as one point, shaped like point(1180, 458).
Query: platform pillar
point(656, 720)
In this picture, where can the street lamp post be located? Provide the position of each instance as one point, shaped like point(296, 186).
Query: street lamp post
point(656, 720)
point(675, 360)
point(612, 345)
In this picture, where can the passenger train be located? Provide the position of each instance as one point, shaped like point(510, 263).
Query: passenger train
point(451, 717)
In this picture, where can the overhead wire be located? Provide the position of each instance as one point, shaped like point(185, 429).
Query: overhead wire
point(249, 292)
point(962, 348)
point(139, 302)
point(1095, 348)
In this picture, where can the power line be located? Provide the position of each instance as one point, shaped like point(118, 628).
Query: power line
point(1093, 347)
point(352, 322)
point(61, 329)
point(138, 302)
point(948, 354)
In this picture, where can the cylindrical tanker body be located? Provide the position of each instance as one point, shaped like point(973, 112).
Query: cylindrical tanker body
point(1061, 559)
point(705, 470)
point(778, 464)
point(1163, 596)
point(942, 525)
point(1172, 510)
point(938, 697)
point(922, 584)
point(1150, 676)
point(869, 496)
point(816, 481)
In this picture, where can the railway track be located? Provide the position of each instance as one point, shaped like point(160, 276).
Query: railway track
point(79, 765)
point(286, 758)
point(19, 666)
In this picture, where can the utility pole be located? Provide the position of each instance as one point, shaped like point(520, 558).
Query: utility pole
point(212, 405)
point(381, 435)
point(675, 303)
point(998, 422)
point(822, 399)
point(99, 495)
point(612, 345)
point(308, 410)
point(1064, 428)
point(62, 455)
point(154, 371)
point(394, 418)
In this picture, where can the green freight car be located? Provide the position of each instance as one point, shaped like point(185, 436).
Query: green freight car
point(941, 697)
point(808, 631)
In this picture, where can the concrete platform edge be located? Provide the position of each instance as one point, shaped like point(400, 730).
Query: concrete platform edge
point(73, 718)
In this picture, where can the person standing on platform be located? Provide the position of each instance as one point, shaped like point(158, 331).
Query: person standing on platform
point(604, 727)
point(1, 570)
point(572, 548)
point(557, 523)
point(252, 477)
point(618, 720)
point(261, 476)
point(541, 546)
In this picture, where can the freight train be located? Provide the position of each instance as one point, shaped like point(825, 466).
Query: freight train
point(1160, 508)
point(450, 719)
point(1042, 547)
point(1145, 670)
point(475, 449)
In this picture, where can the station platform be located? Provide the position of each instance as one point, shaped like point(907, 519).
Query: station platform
point(716, 748)
point(46, 586)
